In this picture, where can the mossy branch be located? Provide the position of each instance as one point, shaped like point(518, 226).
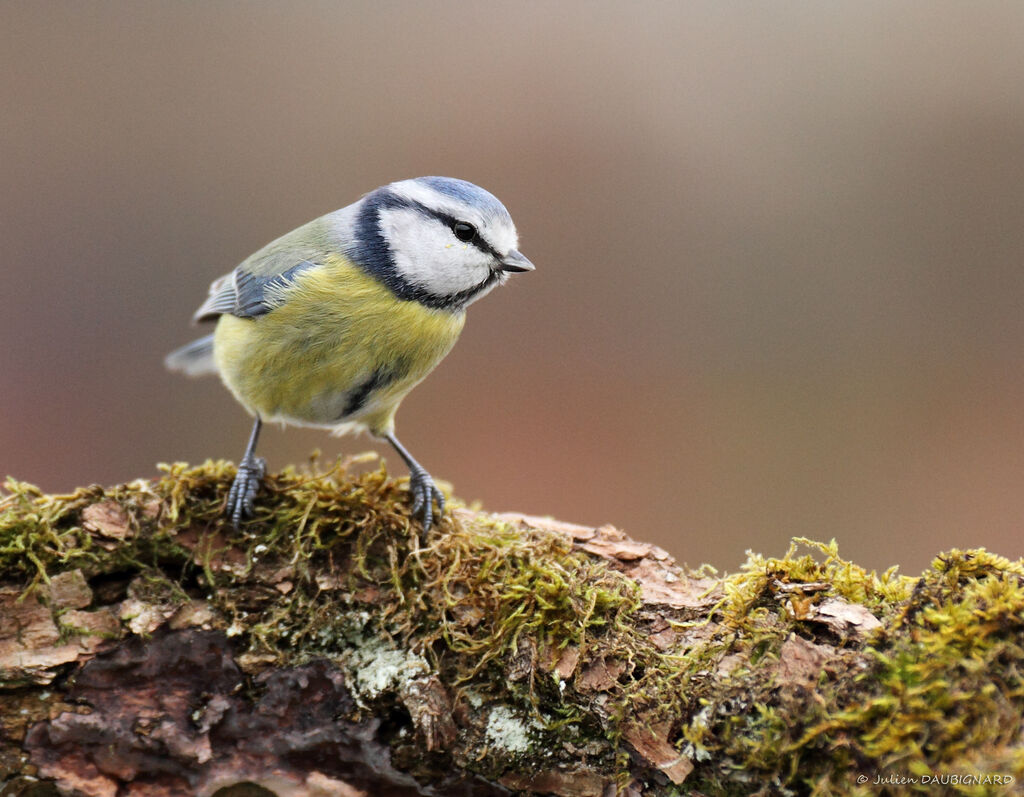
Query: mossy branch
point(146, 647)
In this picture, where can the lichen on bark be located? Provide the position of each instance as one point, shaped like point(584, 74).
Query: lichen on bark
point(147, 647)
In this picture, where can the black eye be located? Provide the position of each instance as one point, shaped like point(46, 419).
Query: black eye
point(464, 231)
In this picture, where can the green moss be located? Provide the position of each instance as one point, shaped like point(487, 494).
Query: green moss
point(939, 682)
point(844, 579)
point(483, 588)
point(332, 565)
point(949, 669)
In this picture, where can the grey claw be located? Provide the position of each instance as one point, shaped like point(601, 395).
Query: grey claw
point(425, 493)
point(244, 488)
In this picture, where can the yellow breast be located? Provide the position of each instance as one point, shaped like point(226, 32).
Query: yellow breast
point(340, 350)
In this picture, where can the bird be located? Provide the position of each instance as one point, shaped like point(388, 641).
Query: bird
point(332, 324)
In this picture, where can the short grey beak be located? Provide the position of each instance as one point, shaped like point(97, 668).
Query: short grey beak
point(515, 261)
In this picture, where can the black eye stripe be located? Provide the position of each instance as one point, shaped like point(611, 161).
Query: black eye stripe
point(450, 221)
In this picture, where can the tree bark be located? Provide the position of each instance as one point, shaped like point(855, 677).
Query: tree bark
point(148, 648)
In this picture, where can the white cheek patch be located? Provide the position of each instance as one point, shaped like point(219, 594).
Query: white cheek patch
point(425, 254)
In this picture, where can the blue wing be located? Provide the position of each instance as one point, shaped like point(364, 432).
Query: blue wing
point(246, 295)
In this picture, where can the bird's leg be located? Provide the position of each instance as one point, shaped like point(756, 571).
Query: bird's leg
point(421, 485)
point(251, 471)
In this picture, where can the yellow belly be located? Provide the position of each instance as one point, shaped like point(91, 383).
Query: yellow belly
point(338, 337)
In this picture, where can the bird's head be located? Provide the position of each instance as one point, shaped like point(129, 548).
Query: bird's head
point(438, 240)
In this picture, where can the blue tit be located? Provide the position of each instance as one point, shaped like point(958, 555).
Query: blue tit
point(334, 323)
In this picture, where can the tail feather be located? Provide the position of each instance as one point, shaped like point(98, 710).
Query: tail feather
point(193, 359)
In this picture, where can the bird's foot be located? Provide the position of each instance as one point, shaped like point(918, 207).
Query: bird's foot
point(244, 488)
point(424, 493)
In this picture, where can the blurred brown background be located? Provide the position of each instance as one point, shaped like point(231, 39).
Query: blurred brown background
point(779, 249)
